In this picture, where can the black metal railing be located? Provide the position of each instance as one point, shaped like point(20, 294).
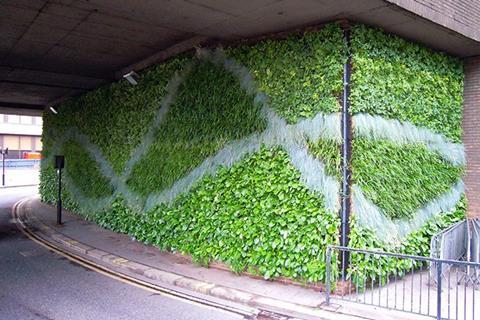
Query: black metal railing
point(408, 283)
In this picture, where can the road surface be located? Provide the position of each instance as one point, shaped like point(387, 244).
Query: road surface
point(38, 284)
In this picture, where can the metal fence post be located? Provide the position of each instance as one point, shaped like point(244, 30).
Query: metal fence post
point(439, 289)
point(327, 276)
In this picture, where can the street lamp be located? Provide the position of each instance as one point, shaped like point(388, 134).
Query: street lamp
point(4, 154)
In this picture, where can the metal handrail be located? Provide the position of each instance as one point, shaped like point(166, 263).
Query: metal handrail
point(398, 255)
point(445, 294)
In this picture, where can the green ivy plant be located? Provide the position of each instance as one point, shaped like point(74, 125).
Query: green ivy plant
point(257, 215)
point(82, 169)
point(401, 80)
point(48, 189)
point(201, 121)
point(366, 268)
point(302, 74)
point(115, 117)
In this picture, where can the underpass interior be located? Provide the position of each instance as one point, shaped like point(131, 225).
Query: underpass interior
point(247, 137)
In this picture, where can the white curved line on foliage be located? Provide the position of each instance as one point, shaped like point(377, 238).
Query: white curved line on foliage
point(242, 73)
point(226, 157)
point(119, 182)
point(88, 205)
point(293, 138)
point(377, 128)
point(142, 148)
point(394, 230)
point(118, 185)
point(278, 133)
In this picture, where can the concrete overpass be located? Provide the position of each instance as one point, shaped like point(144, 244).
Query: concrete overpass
point(53, 49)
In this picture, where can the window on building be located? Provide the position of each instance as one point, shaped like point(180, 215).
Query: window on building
point(13, 118)
point(25, 120)
point(38, 144)
point(26, 143)
point(37, 121)
point(11, 142)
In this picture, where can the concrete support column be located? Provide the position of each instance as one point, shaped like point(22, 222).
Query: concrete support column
point(471, 134)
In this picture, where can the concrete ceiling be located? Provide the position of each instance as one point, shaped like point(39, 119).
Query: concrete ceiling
point(51, 49)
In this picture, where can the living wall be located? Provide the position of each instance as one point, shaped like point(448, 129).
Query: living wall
point(407, 160)
point(234, 154)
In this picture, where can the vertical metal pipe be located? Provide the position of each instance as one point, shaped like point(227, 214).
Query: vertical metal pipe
point(456, 293)
point(380, 279)
point(412, 285)
point(474, 287)
point(3, 168)
point(439, 290)
point(465, 298)
point(420, 295)
point(59, 200)
point(357, 286)
point(449, 289)
point(396, 278)
point(346, 147)
point(428, 289)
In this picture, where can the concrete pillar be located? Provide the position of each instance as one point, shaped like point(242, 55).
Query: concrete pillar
point(471, 134)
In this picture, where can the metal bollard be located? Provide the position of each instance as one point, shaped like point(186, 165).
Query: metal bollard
point(327, 275)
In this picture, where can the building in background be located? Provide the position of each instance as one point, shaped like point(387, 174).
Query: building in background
point(21, 134)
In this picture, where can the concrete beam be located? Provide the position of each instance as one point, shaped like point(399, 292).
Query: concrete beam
point(459, 16)
point(21, 109)
point(49, 78)
point(178, 48)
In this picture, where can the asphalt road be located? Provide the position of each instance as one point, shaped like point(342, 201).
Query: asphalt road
point(38, 284)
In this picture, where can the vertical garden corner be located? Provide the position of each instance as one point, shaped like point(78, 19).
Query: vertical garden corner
point(234, 154)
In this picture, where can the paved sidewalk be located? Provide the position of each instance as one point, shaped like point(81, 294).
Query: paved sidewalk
point(120, 253)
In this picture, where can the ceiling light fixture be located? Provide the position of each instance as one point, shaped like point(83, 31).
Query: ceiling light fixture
point(132, 77)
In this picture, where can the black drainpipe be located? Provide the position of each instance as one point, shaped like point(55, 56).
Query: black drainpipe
point(346, 153)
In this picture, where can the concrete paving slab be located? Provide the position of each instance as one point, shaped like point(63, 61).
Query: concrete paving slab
point(120, 252)
point(122, 245)
point(97, 253)
point(162, 276)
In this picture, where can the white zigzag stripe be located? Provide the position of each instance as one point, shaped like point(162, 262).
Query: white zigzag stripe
point(393, 231)
point(293, 138)
point(278, 133)
point(376, 127)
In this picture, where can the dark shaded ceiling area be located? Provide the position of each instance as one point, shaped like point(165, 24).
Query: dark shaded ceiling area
point(52, 49)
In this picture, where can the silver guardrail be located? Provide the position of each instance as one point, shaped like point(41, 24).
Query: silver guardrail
point(404, 282)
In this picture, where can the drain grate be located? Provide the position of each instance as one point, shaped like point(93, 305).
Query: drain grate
point(266, 315)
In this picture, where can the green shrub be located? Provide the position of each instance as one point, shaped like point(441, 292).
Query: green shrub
point(302, 75)
point(364, 268)
point(82, 169)
point(328, 151)
point(48, 188)
point(400, 178)
point(255, 216)
point(116, 117)
point(400, 80)
point(202, 120)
